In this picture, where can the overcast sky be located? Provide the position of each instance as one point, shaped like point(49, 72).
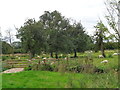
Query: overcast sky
point(15, 12)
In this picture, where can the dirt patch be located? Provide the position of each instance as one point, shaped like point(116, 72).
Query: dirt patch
point(14, 70)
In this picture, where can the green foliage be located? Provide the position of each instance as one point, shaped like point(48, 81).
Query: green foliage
point(53, 33)
point(16, 45)
point(91, 75)
point(18, 51)
point(45, 67)
point(56, 27)
point(80, 39)
point(110, 56)
point(28, 68)
point(41, 67)
point(111, 45)
point(32, 36)
point(4, 58)
point(101, 36)
point(6, 48)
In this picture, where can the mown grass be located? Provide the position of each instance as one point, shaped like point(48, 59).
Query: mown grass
point(46, 79)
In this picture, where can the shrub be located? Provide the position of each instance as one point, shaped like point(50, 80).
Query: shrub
point(12, 57)
point(28, 68)
point(55, 67)
point(4, 58)
point(46, 67)
point(76, 69)
point(42, 67)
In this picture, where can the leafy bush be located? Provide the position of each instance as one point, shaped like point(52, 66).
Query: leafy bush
point(4, 58)
point(55, 67)
point(46, 67)
point(42, 67)
point(12, 57)
point(76, 69)
point(28, 68)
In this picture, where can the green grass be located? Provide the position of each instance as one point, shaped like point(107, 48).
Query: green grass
point(46, 79)
point(0, 81)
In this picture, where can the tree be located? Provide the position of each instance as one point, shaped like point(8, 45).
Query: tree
point(113, 8)
point(79, 38)
point(32, 36)
point(6, 48)
point(17, 46)
point(56, 26)
point(9, 36)
point(100, 34)
point(53, 33)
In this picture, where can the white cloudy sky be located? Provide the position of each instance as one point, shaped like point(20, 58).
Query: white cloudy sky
point(14, 12)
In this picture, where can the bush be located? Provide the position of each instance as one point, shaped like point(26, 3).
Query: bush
point(76, 69)
point(54, 67)
point(12, 57)
point(4, 58)
point(42, 67)
point(46, 67)
point(28, 68)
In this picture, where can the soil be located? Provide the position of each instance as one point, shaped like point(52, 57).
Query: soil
point(14, 70)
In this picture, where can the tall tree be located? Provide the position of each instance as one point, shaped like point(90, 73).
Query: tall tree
point(56, 26)
point(79, 38)
point(32, 36)
point(101, 32)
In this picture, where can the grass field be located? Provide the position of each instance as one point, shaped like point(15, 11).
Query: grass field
point(47, 79)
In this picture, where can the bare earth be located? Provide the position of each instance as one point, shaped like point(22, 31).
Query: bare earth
point(14, 70)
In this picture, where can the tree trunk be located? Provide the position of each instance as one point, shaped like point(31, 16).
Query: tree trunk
point(51, 54)
point(102, 49)
point(32, 55)
point(75, 53)
point(96, 48)
point(56, 55)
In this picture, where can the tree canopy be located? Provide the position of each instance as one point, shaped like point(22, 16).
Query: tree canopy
point(6, 48)
point(53, 33)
